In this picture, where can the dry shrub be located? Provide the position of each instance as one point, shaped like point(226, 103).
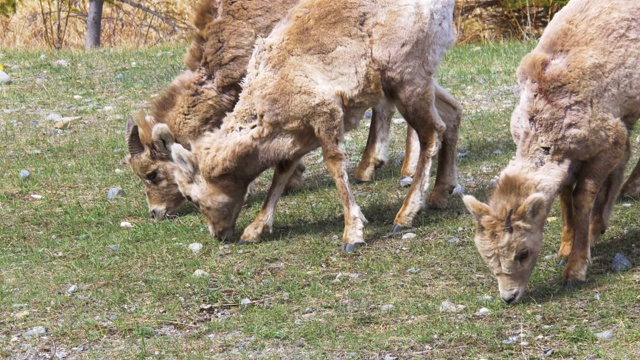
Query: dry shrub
point(62, 23)
point(488, 20)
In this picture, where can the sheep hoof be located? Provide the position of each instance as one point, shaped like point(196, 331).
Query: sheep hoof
point(562, 263)
point(398, 228)
point(351, 247)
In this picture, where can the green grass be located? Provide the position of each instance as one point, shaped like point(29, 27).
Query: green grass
point(308, 299)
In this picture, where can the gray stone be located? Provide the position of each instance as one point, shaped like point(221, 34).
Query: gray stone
point(406, 181)
point(5, 78)
point(511, 340)
point(448, 306)
point(200, 273)
point(24, 174)
point(408, 236)
point(482, 311)
point(453, 240)
point(308, 310)
point(413, 270)
point(245, 302)
point(115, 192)
point(605, 335)
point(620, 263)
point(485, 298)
point(35, 332)
point(61, 62)
point(119, 76)
point(72, 289)
point(195, 247)
point(390, 357)
point(387, 308)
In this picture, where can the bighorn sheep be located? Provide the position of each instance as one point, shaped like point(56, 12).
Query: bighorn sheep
point(309, 82)
point(580, 99)
point(198, 99)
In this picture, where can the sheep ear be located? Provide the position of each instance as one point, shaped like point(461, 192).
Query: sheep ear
point(133, 138)
point(532, 210)
point(162, 138)
point(476, 208)
point(186, 161)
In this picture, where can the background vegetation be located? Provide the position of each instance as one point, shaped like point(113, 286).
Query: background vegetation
point(75, 284)
point(61, 23)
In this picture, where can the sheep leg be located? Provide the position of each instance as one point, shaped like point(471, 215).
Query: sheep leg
point(631, 187)
point(264, 220)
point(335, 161)
point(566, 209)
point(422, 116)
point(375, 153)
point(590, 180)
point(296, 181)
point(411, 153)
point(447, 174)
point(605, 201)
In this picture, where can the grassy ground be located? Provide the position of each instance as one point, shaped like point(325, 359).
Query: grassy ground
point(136, 295)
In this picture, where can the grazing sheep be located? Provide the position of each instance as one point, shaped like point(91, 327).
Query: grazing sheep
point(198, 100)
point(308, 83)
point(580, 99)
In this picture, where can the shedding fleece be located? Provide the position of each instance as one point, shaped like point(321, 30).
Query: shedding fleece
point(580, 99)
point(308, 83)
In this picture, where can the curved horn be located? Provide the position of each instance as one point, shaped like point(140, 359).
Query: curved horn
point(507, 223)
point(133, 138)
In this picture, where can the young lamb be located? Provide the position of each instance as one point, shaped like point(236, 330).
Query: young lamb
point(580, 99)
point(198, 100)
point(308, 83)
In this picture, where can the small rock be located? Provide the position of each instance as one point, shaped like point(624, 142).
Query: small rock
point(61, 62)
point(551, 257)
point(308, 310)
point(53, 117)
point(448, 306)
point(482, 311)
point(547, 327)
point(524, 343)
point(115, 192)
point(596, 296)
point(72, 289)
point(406, 181)
point(164, 53)
point(413, 270)
point(485, 298)
point(5, 78)
point(126, 224)
point(463, 154)
point(605, 335)
point(548, 352)
point(24, 174)
point(34, 332)
point(108, 108)
point(245, 302)
point(36, 196)
point(408, 236)
point(497, 152)
point(387, 308)
point(626, 205)
point(77, 97)
point(399, 121)
point(511, 340)
point(200, 273)
point(117, 171)
point(390, 357)
point(453, 240)
point(119, 76)
point(195, 247)
point(620, 263)
point(114, 247)
point(458, 190)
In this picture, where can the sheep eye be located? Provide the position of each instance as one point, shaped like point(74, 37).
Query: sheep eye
point(152, 175)
point(189, 198)
point(523, 255)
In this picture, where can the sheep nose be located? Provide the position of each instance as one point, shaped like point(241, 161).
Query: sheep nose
point(509, 299)
point(154, 214)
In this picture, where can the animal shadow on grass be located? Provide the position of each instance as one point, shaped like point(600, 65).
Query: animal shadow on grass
point(601, 255)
